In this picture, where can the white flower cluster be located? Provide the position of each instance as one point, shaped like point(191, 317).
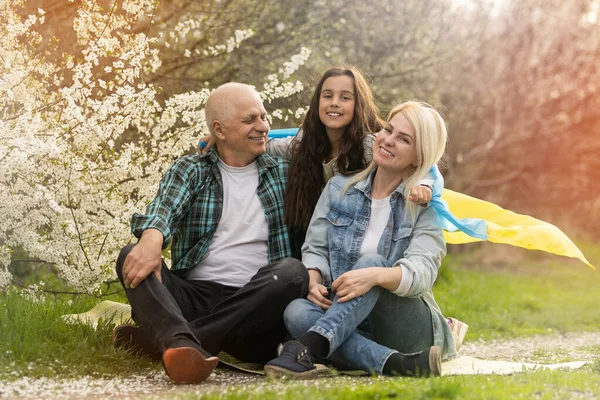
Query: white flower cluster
point(297, 60)
point(84, 140)
point(275, 89)
point(181, 32)
point(297, 114)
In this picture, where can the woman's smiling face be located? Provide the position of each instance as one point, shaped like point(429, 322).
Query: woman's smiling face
point(395, 146)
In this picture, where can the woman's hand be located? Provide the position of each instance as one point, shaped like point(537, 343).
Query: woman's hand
point(317, 293)
point(420, 194)
point(204, 144)
point(354, 283)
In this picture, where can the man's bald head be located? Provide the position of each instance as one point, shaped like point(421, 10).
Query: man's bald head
point(237, 119)
point(221, 104)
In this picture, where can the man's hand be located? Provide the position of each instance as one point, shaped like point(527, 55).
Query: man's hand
point(354, 283)
point(317, 292)
point(143, 259)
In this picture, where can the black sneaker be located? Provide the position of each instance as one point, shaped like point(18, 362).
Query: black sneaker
point(132, 339)
point(424, 363)
point(294, 362)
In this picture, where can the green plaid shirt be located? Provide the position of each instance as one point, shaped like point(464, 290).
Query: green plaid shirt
point(189, 204)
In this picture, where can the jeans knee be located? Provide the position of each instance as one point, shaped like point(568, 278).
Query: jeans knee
point(371, 260)
point(121, 259)
point(297, 317)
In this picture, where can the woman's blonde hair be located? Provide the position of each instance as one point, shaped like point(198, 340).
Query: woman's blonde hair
point(430, 141)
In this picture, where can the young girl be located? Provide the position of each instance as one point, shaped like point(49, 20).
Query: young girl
point(381, 256)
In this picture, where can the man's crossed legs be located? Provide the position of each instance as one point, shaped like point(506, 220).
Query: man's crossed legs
point(189, 322)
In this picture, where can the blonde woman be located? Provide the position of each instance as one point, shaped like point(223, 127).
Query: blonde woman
point(379, 254)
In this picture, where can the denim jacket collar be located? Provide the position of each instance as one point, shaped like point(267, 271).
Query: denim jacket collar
point(365, 186)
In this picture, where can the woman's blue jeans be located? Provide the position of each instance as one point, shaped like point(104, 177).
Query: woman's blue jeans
point(364, 332)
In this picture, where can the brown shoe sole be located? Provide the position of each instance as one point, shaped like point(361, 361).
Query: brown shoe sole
point(272, 371)
point(187, 365)
point(435, 360)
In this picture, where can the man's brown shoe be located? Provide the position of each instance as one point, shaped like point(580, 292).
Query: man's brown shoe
point(187, 365)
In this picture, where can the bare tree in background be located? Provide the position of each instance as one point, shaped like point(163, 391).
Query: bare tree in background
point(528, 138)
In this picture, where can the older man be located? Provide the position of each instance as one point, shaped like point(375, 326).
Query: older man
point(231, 277)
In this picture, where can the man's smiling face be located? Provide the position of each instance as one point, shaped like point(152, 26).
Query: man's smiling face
point(244, 133)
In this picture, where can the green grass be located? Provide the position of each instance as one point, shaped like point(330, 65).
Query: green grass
point(509, 299)
point(538, 385)
point(520, 299)
point(36, 342)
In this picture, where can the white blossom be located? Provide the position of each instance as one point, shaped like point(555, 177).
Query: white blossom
point(67, 192)
point(277, 114)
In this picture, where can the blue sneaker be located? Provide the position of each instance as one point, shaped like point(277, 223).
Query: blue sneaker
point(294, 362)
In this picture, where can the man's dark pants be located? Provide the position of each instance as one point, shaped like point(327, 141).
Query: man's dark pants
point(246, 322)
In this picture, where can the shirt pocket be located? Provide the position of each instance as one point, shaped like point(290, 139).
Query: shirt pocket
point(400, 241)
point(339, 223)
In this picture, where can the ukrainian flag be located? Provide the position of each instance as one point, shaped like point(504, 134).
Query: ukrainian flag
point(466, 219)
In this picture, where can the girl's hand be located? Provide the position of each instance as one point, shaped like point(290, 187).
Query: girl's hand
point(204, 144)
point(317, 293)
point(420, 194)
point(354, 283)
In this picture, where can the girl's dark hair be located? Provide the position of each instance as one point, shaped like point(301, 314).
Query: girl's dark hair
point(305, 180)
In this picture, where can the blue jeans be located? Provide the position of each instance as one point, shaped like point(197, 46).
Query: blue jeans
point(365, 331)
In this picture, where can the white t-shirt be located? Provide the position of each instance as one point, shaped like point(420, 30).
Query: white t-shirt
point(380, 215)
point(239, 245)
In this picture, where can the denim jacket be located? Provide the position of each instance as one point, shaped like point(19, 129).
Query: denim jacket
point(336, 233)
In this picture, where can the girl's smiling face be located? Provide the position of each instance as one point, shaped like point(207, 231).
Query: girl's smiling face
point(336, 103)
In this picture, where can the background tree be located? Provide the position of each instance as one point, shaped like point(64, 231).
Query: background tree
point(84, 137)
point(525, 129)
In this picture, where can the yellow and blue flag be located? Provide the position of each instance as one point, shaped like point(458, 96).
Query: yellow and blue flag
point(466, 219)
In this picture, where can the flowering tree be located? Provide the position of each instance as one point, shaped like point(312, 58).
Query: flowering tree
point(84, 139)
